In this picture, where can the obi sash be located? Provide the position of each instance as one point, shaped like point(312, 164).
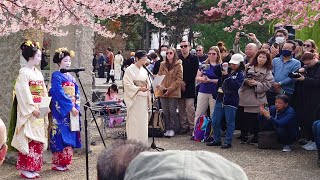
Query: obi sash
point(36, 88)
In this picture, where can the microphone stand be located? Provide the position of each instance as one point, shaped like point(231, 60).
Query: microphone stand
point(86, 107)
point(153, 144)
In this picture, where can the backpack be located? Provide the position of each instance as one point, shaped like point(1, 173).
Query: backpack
point(203, 129)
point(158, 128)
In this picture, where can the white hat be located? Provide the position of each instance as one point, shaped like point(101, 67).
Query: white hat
point(150, 51)
point(236, 59)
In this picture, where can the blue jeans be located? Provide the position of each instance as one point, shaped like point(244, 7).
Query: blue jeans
point(286, 136)
point(218, 114)
point(316, 133)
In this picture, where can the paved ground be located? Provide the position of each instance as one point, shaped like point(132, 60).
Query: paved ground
point(258, 164)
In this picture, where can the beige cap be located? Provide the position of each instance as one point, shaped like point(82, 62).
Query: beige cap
point(183, 165)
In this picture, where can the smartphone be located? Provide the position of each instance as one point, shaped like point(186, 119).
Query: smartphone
point(266, 107)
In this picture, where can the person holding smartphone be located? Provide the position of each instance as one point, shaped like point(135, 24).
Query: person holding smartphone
point(170, 89)
point(230, 80)
point(252, 93)
point(281, 118)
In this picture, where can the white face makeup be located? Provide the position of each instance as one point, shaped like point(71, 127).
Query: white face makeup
point(36, 59)
point(65, 63)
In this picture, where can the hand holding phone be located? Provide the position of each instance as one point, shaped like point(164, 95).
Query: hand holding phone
point(266, 107)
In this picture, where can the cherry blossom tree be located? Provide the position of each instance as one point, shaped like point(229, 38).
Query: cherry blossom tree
point(300, 13)
point(50, 16)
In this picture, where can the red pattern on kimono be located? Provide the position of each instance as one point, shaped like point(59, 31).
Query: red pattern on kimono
point(33, 160)
point(63, 158)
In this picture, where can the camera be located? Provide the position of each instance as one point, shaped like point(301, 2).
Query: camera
point(249, 76)
point(243, 34)
point(204, 67)
point(294, 75)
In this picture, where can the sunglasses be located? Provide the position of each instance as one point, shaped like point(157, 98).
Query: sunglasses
point(198, 50)
point(212, 54)
point(183, 46)
point(306, 45)
point(169, 53)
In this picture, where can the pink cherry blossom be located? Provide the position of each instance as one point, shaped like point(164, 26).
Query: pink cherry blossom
point(51, 15)
point(300, 13)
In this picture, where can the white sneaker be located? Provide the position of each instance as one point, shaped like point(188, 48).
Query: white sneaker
point(166, 133)
point(306, 145)
point(286, 148)
point(311, 147)
point(171, 133)
point(27, 175)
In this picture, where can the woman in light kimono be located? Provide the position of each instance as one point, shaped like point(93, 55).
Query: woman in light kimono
point(136, 97)
point(65, 112)
point(118, 60)
point(30, 137)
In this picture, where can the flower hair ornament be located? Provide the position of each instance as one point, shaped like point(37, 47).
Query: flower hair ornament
point(32, 44)
point(61, 52)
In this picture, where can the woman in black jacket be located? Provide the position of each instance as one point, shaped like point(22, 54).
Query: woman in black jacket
point(306, 95)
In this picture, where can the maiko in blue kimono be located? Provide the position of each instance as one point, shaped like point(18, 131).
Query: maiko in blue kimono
point(65, 97)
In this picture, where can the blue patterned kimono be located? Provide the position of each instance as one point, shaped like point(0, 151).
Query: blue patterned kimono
point(65, 95)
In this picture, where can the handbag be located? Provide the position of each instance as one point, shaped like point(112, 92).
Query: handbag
point(111, 72)
point(268, 140)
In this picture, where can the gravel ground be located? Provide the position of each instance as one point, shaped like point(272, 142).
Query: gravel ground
point(258, 164)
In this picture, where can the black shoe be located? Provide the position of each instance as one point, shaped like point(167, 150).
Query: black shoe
point(213, 143)
point(302, 142)
point(254, 140)
point(225, 146)
point(192, 138)
point(244, 139)
point(184, 131)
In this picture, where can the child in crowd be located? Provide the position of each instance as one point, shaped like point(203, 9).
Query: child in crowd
point(112, 93)
point(112, 96)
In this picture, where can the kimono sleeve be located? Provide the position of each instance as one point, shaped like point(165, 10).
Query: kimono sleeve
point(61, 102)
point(129, 88)
point(77, 105)
point(23, 93)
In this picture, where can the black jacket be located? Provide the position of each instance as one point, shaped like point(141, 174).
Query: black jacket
point(190, 69)
point(307, 97)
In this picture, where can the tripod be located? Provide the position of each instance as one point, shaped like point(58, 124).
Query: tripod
point(153, 144)
point(86, 107)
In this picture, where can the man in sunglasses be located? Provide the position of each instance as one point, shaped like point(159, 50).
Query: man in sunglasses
point(3, 139)
point(186, 108)
point(200, 53)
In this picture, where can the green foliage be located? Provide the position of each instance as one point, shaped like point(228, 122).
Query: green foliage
point(310, 33)
point(213, 32)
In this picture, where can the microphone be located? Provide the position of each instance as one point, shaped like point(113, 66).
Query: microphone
point(76, 70)
point(150, 73)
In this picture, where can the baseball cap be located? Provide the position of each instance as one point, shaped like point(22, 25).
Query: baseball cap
point(236, 59)
point(150, 51)
point(187, 165)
